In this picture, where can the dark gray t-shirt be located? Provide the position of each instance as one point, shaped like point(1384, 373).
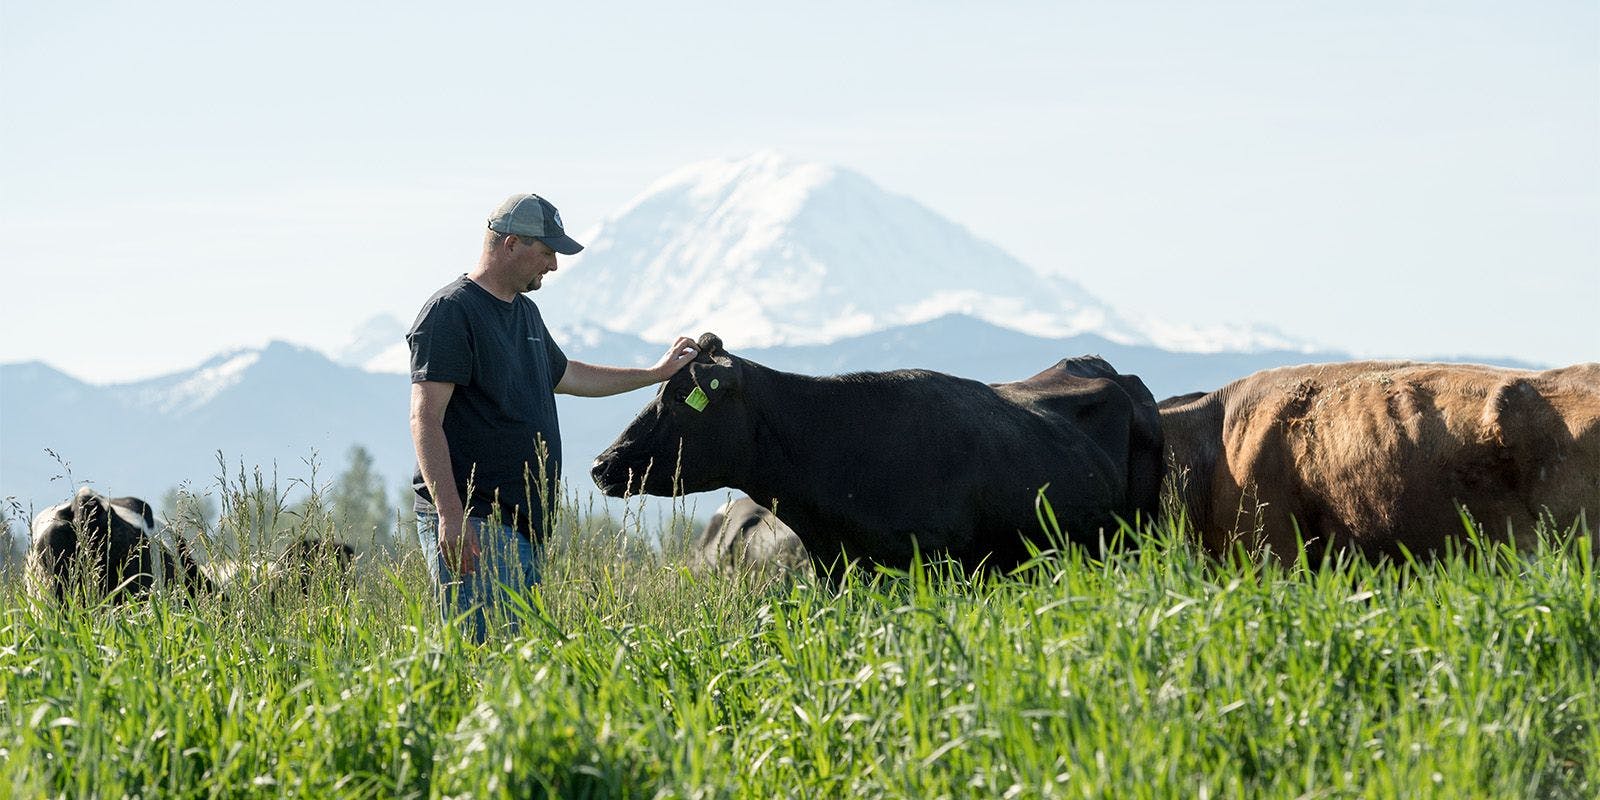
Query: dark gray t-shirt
point(505, 366)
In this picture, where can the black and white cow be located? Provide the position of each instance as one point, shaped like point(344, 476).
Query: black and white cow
point(105, 547)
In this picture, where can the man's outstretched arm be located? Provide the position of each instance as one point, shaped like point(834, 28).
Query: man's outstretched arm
point(594, 380)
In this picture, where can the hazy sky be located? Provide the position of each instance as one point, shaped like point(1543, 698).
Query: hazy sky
point(1387, 178)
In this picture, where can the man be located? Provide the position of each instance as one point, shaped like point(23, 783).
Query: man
point(484, 370)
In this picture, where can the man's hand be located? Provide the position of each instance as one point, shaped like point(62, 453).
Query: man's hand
point(680, 353)
point(459, 546)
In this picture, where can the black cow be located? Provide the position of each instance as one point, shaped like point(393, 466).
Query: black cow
point(875, 466)
point(107, 547)
point(743, 536)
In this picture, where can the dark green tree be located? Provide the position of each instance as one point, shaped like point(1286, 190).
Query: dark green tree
point(359, 503)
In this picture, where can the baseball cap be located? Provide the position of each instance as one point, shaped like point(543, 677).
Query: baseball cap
point(533, 216)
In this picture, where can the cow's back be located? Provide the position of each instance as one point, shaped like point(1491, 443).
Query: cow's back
point(1086, 397)
point(1377, 455)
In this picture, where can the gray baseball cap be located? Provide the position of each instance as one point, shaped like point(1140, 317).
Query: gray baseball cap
point(533, 216)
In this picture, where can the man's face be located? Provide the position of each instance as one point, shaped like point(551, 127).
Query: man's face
point(532, 259)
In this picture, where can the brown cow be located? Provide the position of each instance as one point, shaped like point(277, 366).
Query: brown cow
point(1372, 456)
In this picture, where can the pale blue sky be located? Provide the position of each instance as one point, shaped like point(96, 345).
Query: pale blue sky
point(1388, 178)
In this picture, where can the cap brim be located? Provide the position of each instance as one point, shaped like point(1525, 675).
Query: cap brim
point(563, 244)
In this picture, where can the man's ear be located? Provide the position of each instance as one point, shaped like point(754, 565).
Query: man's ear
point(504, 244)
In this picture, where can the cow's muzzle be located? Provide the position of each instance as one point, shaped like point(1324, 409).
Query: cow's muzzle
point(609, 474)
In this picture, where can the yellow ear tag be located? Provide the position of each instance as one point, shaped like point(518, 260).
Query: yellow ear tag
point(715, 383)
point(696, 400)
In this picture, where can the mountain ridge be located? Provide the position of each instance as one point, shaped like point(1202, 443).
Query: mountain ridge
point(290, 402)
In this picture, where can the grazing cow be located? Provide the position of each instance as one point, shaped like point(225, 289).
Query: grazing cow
point(107, 546)
point(1375, 456)
point(301, 565)
point(742, 536)
point(875, 466)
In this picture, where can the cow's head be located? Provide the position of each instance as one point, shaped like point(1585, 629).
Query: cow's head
point(90, 519)
point(693, 437)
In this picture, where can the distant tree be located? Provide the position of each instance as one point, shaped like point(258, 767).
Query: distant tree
point(256, 515)
point(188, 513)
point(359, 504)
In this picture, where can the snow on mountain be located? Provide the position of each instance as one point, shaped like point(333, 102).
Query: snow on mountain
point(771, 251)
point(186, 391)
point(767, 250)
point(376, 345)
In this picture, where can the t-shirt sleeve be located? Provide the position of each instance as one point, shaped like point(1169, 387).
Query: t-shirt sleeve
point(557, 359)
point(441, 347)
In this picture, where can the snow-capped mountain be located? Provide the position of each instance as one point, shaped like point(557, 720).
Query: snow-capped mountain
point(769, 251)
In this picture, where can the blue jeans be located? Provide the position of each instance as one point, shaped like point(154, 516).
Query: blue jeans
point(507, 563)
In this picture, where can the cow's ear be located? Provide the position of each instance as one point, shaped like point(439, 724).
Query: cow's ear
point(710, 346)
point(716, 378)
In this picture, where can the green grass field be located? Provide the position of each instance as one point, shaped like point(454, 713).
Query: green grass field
point(1155, 674)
